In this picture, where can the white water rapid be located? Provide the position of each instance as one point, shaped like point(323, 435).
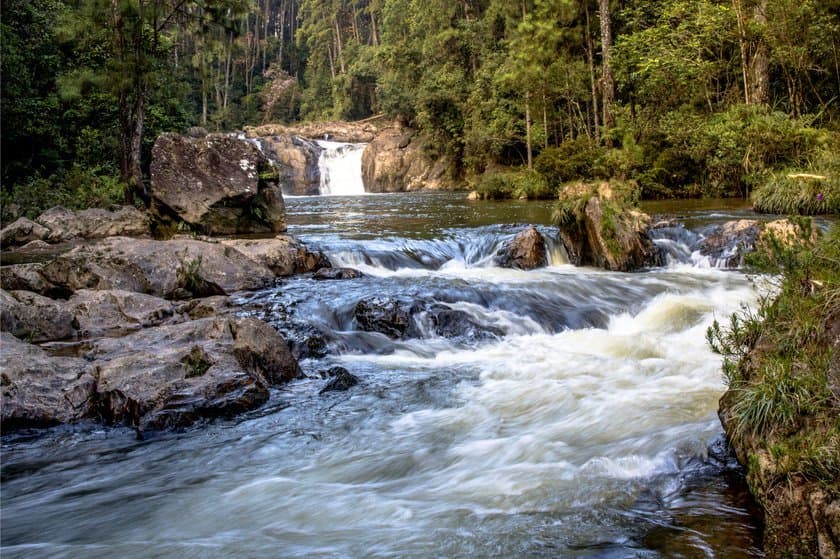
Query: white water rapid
point(340, 165)
point(558, 412)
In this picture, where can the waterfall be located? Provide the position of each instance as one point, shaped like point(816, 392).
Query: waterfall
point(340, 165)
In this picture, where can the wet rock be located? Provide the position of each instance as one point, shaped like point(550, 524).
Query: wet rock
point(396, 162)
point(175, 269)
point(526, 251)
point(112, 312)
point(94, 223)
point(171, 376)
point(788, 234)
point(305, 341)
point(385, 316)
point(284, 255)
point(603, 230)
point(35, 318)
point(297, 162)
point(340, 379)
point(37, 390)
point(452, 323)
point(205, 307)
point(21, 232)
point(217, 185)
point(28, 277)
point(337, 274)
point(728, 243)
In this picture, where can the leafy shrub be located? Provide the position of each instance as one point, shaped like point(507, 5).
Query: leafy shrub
point(499, 185)
point(571, 160)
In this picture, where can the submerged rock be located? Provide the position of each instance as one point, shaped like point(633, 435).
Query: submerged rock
point(452, 323)
point(386, 316)
point(729, 242)
point(337, 274)
point(340, 380)
point(218, 185)
point(525, 251)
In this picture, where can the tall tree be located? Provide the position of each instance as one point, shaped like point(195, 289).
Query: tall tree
point(607, 81)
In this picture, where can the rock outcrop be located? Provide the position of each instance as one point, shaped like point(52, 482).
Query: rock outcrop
point(525, 251)
point(94, 223)
point(38, 390)
point(22, 231)
point(386, 316)
point(728, 243)
point(599, 228)
point(161, 377)
point(296, 159)
point(217, 185)
point(35, 318)
point(360, 132)
point(394, 161)
point(284, 255)
point(174, 269)
point(28, 277)
point(116, 312)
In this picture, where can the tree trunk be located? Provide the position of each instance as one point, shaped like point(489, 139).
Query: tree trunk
point(528, 129)
point(742, 43)
point(590, 57)
point(608, 84)
point(759, 65)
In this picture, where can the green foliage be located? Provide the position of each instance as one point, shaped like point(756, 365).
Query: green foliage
point(571, 160)
point(196, 363)
point(777, 363)
point(522, 184)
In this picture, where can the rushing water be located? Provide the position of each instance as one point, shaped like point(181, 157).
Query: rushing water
point(340, 167)
point(578, 427)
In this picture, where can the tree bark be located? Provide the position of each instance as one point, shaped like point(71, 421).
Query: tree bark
point(759, 65)
point(590, 57)
point(608, 84)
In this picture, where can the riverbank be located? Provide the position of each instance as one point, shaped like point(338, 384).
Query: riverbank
point(782, 410)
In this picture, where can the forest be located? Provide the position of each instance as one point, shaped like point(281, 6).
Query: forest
point(684, 98)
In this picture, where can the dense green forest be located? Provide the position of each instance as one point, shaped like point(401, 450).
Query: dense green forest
point(686, 98)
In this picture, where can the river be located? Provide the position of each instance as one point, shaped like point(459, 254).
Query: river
point(575, 422)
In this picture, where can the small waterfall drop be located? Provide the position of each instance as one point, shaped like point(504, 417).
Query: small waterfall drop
point(340, 166)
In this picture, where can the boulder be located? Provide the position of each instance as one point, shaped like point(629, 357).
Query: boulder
point(35, 318)
point(116, 312)
point(336, 274)
point(453, 323)
point(172, 376)
point(385, 316)
point(340, 380)
point(22, 231)
point(396, 162)
point(216, 305)
point(28, 277)
point(297, 163)
point(216, 185)
point(94, 223)
point(174, 269)
point(37, 390)
point(284, 255)
point(727, 243)
point(525, 251)
point(604, 231)
point(789, 234)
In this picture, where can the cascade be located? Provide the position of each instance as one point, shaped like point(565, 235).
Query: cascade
point(340, 166)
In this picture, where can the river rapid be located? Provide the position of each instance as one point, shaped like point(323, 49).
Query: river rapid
point(580, 421)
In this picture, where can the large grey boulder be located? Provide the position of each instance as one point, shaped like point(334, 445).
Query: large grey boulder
point(93, 223)
point(218, 185)
point(21, 232)
point(174, 269)
point(116, 312)
point(35, 318)
point(284, 255)
point(171, 376)
point(38, 390)
point(28, 277)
